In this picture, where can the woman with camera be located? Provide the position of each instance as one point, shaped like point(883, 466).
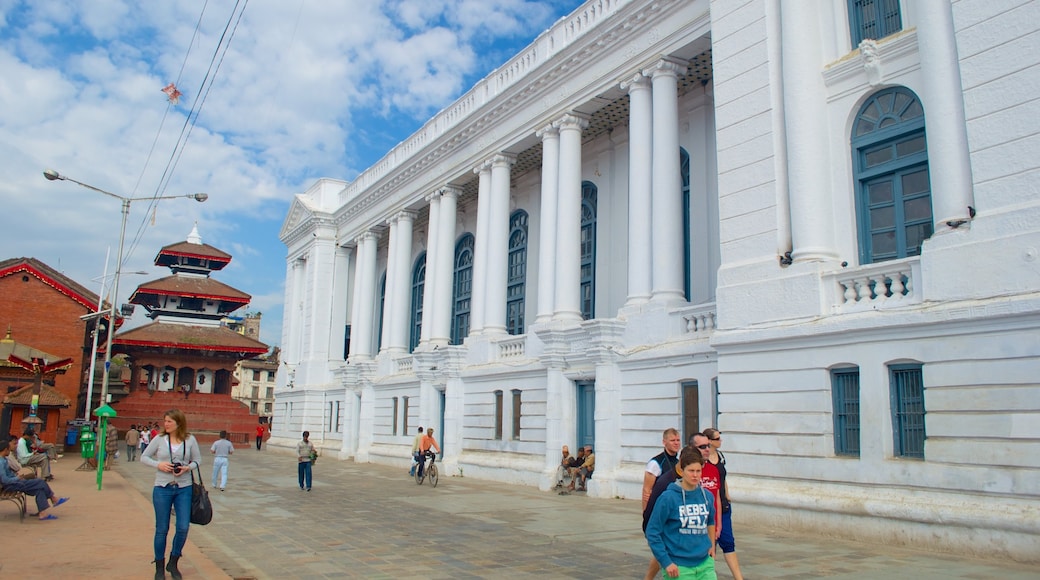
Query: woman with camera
point(173, 454)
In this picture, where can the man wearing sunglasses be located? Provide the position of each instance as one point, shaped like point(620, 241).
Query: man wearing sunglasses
point(710, 479)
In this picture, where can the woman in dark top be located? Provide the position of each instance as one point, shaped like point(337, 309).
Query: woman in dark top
point(726, 542)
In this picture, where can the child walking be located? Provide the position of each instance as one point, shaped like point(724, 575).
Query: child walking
point(681, 529)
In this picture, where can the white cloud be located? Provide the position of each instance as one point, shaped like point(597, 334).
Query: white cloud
point(307, 89)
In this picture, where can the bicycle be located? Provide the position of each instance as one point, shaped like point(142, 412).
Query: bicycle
point(423, 471)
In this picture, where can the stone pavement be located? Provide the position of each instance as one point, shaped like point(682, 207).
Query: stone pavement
point(372, 521)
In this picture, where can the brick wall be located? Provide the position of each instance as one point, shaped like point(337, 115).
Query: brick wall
point(43, 318)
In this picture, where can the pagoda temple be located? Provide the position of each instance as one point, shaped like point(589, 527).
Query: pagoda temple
point(186, 357)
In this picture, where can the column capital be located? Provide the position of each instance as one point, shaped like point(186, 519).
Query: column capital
point(482, 167)
point(572, 121)
point(451, 191)
point(547, 131)
point(637, 81)
point(432, 196)
point(667, 65)
point(406, 214)
point(368, 235)
point(503, 159)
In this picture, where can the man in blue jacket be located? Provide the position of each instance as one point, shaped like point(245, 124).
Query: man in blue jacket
point(681, 528)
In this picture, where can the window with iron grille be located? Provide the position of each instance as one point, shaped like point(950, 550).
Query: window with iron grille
point(517, 283)
point(393, 417)
point(516, 413)
point(845, 390)
point(873, 19)
point(498, 415)
point(404, 415)
point(907, 383)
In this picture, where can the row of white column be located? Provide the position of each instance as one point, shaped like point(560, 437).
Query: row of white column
point(655, 230)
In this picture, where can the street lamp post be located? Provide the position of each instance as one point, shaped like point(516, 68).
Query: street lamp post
point(53, 175)
point(95, 318)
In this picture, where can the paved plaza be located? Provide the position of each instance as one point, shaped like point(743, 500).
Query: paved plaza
point(371, 521)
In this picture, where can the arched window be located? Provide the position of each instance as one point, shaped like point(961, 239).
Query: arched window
point(462, 291)
point(588, 250)
point(382, 309)
point(517, 283)
point(684, 174)
point(418, 287)
point(893, 194)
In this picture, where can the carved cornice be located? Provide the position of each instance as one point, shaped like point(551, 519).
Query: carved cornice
point(530, 77)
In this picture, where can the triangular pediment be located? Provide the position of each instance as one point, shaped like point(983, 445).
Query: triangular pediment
point(299, 212)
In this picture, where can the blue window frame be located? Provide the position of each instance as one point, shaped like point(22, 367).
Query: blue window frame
point(463, 289)
point(907, 384)
point(845, 391)
point(516, 287)
point(418, 288)
point(382, 310)
point(893, 191)
point(588, 249)
point(684, 173)
point(873, 19)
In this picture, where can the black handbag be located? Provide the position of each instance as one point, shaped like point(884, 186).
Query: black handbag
point(201, 508)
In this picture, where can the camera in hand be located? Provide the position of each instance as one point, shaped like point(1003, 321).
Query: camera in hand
point(177, 466)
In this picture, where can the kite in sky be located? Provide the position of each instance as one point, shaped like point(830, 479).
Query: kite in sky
point(172, 93)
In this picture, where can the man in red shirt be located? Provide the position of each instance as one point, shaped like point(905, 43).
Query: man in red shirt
point(710, 479)
point(260, 430)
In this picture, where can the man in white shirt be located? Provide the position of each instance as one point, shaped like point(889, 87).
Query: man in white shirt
point(29, 458)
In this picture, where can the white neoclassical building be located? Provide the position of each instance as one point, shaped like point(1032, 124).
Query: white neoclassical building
point(813, 224)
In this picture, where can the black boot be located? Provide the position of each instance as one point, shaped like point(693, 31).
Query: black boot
point(159, 573)
point(172, 567)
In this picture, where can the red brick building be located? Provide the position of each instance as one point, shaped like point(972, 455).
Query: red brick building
point(41, 308)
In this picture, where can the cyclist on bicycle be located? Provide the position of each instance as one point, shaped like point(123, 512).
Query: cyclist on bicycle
point(424, 450)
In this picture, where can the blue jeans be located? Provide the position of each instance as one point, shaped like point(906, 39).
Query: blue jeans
point(163, 498)
point(220, 465)
point(304, 471)
point(422, 461)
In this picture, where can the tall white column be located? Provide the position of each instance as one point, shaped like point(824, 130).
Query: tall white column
point(567, 299)
point(366, 298)
point(432, 233)
point(480, 252)
point(550, 137)
point(442, 308)
point(640, 182)
point(666, 207)
point(402, 288)
point(812, 230)
point(300, 306)
point(498, 245)
point(355, 299)
point(289, 318)
point(340, 299)
point(947, 134)
point(388, 297)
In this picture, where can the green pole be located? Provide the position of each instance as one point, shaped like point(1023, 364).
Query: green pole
point(103, 412)
point(103, 431)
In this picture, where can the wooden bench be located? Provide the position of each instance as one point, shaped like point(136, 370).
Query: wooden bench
point(15, 497)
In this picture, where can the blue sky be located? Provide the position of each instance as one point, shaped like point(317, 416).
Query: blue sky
point(304, 89)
